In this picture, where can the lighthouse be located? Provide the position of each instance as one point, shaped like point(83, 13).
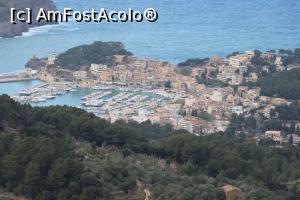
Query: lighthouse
point(51, 58)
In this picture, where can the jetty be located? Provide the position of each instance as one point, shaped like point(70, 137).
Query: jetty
point(43, 92)
point(22, 75)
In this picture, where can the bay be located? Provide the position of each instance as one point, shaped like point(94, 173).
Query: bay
point(185, 29)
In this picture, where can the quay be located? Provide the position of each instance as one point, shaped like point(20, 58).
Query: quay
point(43, 92)
point(15, 79)
point(25, 75)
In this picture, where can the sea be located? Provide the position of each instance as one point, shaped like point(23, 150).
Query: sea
point(184, 29)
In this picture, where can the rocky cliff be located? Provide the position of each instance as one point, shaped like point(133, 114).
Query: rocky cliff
point(10, 30)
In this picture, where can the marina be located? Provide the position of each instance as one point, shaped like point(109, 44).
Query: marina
point(109, 102)
point(124, 103)
point(43, 92)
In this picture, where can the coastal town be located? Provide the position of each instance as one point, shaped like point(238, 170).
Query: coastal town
point(163, 100)
point(199, 96)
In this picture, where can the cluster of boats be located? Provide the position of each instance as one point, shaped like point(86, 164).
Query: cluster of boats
point(119, 101)
point(105, 100)
point(43, 92)
point(94, 99)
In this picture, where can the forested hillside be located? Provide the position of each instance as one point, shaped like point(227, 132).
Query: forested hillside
point(85, 55)
point(66, 153)
point(283, 84)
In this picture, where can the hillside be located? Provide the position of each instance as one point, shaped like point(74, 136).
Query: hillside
point(10, 30)
point(194, 62)
point(283, 84)
point(84, 55)
point(66, 153)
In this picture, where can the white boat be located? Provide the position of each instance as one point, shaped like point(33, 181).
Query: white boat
point(51, 97)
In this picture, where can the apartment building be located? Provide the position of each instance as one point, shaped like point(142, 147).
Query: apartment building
point(274, 135)
point(97, 68)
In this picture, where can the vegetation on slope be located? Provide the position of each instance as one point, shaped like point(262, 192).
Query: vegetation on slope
point(194, 62)
point(283, 84)
point(66, 153)
point(85, 55)
point(290, 57)
point(185, 71)
point(44, 168)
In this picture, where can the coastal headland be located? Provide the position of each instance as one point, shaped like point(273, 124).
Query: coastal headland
point(8, 29)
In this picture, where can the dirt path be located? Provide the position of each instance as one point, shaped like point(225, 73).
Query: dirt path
point(147, 193)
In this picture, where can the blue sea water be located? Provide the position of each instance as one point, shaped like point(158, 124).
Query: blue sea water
point(72, 98)
point(14, 87)
point(185, 29)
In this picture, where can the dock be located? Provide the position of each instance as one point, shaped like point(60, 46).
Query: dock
point(16, 76)
point(43, 92)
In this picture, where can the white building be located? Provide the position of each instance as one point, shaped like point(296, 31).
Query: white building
point(141, 64)
point(239, 110)
point(278, 61)
point(241, 59)
point(97, 68)
point(274, 135)
point(235, 62)
point(296, 139)
point(51, 59)
point(250, 54)
point(140, 119)
point(217, 96)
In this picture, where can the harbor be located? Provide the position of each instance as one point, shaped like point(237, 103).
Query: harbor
point(43, 92)
point(110, 102)
point(126, 103)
